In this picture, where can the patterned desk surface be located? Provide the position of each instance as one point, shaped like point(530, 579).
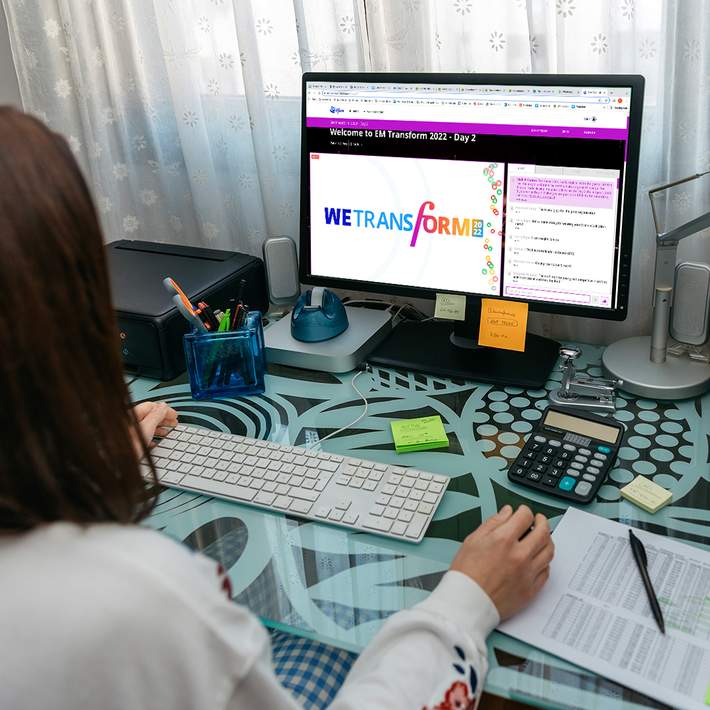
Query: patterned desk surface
point(320, 581)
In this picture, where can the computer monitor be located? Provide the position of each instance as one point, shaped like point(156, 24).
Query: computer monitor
point(518, 187)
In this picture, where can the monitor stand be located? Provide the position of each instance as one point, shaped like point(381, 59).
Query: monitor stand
point(435, 348)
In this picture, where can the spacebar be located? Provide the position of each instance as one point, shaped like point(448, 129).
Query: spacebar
point(206, 485)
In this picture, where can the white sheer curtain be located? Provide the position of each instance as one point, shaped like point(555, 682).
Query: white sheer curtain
point(185, 113)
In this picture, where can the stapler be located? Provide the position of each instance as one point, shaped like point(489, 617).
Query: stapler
point(581, 391)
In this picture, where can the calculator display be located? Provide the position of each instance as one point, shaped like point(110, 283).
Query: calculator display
point(585, 427)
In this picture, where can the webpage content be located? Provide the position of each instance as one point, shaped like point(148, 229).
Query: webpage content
point(498, 191)
point(561, 233)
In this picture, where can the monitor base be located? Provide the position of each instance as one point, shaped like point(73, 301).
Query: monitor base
point(427, 347)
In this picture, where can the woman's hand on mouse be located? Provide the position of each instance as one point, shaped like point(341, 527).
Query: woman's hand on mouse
point(510, 562)
point(154, 418)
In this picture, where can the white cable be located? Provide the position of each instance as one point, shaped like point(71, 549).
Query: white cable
point(353, 423)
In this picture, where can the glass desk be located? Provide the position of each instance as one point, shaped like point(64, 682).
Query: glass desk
point(326, 583)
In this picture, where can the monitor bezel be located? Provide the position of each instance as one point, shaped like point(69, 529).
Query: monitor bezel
point(635, 82)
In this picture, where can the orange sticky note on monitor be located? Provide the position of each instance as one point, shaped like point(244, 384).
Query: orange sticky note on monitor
point(503, 324)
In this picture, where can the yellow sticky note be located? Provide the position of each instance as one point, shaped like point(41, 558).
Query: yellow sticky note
point(419, 434)
point(503, 324)
point(646, 494)
point(450, 305)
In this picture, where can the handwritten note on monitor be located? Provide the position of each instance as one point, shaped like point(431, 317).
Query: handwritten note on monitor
point(503, 324)
point(594, 612)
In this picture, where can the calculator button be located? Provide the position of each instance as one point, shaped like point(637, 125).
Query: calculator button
point(564, 454)
point(539, 468)
point(583, 488)
point(601, 457)
point(589, 477)
point(559, 463)
point(594, 470)
point(577, 465)
point(534, 476)
point(539, 438)
point(549, 481)
point(519, 471)
point(549, 451)
point(554, 442)
point(545, 459)
point(556, 472)
point(603, 449)
point(581, 459)
point(569, 447)
point(572, 472)
point(525, 463)
point(567, 484)
point(535, 447)
point(529, 455)
point(585, 452)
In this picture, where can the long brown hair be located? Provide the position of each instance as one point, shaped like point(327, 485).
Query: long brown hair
point(66, 446)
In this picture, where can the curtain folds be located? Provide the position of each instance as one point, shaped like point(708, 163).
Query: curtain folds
point(185, 114)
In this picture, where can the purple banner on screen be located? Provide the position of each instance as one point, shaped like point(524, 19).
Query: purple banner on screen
point(498, 129)
point(567, 192)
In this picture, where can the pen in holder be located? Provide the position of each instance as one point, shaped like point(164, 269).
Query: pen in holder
point(226, 364)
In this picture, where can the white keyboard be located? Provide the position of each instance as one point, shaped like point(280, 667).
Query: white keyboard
point(362, 495)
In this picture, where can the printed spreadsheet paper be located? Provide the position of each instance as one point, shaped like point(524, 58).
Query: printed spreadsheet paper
point(594, 611)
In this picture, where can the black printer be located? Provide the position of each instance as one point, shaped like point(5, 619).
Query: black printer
point(151, 328)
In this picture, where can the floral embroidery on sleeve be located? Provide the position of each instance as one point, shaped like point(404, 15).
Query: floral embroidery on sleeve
point(461, 694)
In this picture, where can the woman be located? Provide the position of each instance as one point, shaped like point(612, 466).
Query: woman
point(97, 612)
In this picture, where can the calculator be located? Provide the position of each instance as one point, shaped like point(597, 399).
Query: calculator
point(569, 454)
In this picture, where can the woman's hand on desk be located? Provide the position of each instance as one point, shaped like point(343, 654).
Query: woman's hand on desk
point(511, 569)
point(154, 418)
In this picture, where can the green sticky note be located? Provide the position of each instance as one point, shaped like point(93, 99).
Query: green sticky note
point(419, 434)
point(707, 696)
point(451, 306)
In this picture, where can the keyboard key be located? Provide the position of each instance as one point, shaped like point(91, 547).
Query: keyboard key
point(217, 488)
point(416, 526)
point(398, 470)
point(421, 485)
point(425, 508)
point(328, 466)
point(382, 499)
point(343, 504)
point(335, 514)
point(395, 480)
point(410, 505)
point(264, 498)
point(416, 495)
point(377, 509)
point(356, 482)
point(302, 494)
point(309, 484)
point(405, 515)
point(269, 487)
point(342, 480)
point(376, 523)
point(430, 498)
point(380, 467)
point(350, 518)
point(282, 488)
point(375, 476)
point(397, 501)
point(369, 485)
point(282, 502)
point(391, 513)
point(300, 506)
point(399, 527)
point(388, 489)
point(170, 477)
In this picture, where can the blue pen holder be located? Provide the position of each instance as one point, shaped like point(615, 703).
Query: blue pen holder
point(227, 364)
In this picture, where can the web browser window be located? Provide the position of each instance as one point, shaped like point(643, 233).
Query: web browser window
point(512, 191)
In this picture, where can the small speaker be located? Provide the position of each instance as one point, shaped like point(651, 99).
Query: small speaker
point(691, 303)
point(281, 262)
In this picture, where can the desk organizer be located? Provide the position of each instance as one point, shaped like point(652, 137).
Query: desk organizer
point(227, 364)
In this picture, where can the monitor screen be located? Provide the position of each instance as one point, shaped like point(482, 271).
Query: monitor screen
point(510, 190)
